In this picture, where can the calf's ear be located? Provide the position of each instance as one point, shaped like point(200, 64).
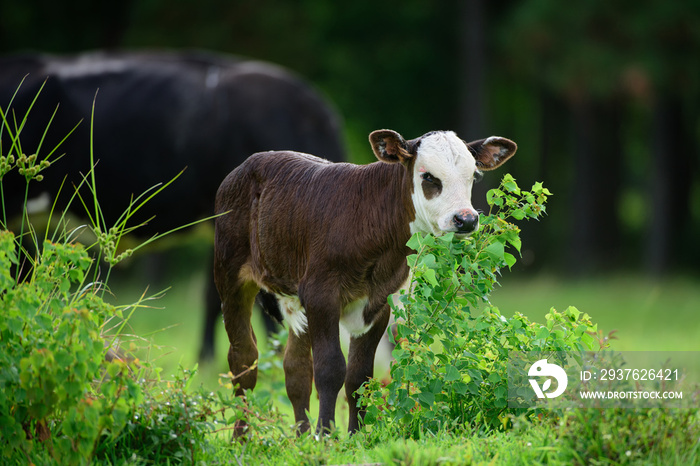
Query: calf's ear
point(389, 146)
point(492, 152)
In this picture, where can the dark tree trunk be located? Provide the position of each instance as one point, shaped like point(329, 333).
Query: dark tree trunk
point(597, 165)
point(472, 68)
point(670, 182)
point(550, 237)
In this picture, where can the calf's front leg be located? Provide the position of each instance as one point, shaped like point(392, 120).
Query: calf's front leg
point(323, 314)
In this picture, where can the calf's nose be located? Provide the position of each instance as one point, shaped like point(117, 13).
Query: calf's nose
point(466, 221)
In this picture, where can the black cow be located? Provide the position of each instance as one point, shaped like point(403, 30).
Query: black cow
point(155, 114)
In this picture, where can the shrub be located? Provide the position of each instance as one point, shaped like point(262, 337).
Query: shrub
point(450, 368)
point(68, 394)
point(58, 387)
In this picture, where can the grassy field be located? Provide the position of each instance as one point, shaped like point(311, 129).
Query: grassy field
point(647, 315)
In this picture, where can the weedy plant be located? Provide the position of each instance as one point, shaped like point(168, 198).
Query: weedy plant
point(68, 393)
point(451, 358)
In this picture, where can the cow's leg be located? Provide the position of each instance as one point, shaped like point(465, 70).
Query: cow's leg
point(298, 376)
point(212, 313)
point(329, 373)
point(323, 314)
point(361, 363)
point(237, 307)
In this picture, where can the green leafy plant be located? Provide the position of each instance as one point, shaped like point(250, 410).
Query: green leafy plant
point(60, 392)
point(69, 393)
point(59, 388)
point(451, 358)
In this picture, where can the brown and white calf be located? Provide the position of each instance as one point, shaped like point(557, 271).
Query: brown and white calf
point(329, 239)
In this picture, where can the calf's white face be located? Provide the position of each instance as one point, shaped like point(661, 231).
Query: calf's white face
point(443, 169)
point(443, 175)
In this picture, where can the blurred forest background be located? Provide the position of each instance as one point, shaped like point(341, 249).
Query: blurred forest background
point(603, 97)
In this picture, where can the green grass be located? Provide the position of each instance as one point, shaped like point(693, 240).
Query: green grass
point(647, 315)
point(497, 448)
point(526, 444)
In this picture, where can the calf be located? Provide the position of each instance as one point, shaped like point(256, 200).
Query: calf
point(329, 239)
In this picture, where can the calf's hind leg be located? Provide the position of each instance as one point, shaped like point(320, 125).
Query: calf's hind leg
point(237, 308)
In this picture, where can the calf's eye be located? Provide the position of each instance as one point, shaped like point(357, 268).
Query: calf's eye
point(432, 187)
point(430, 178)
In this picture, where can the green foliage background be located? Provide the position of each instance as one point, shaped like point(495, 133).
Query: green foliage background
point(602, 97)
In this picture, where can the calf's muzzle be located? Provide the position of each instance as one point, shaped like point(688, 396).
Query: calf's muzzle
point(466, 221)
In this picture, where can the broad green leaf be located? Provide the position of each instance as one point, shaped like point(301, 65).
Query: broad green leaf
point(426, 399)
point(496, 251)
point(414, 242)
point(510, 185)
point(452, 374)
point(518, 214)
point(431, 277)
point(429, 261)
point(572, 313)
